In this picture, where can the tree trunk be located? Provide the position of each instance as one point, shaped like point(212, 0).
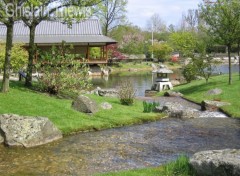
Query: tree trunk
point(9, 43)
point(229, 65)
point(31, 53)
point(239, 59)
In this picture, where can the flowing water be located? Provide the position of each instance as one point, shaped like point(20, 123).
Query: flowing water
point(124, 148)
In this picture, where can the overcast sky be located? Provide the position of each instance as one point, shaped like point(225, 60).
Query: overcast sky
point(139, 11)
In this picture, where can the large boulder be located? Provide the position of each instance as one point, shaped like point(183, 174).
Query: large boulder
point(213, 105)
point(108, 92)
point(217, 162)
point(176, 110)
point(27, 131)
point(85, 105)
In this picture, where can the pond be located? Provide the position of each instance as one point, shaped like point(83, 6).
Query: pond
point(133, 147)
point(143, 81)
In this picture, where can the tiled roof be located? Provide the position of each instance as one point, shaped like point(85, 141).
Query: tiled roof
point(49, 32)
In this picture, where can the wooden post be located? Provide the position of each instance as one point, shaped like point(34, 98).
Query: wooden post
point(106, 53)
point(88, 53)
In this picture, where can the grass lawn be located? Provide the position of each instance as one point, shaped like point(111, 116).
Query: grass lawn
point(197, 90)
point(23, 101)
point(180, 167)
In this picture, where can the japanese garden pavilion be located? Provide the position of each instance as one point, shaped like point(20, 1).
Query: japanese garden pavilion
point(81, 35)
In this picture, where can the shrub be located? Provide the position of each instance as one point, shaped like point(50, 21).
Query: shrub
point(126, 93)
point(189, 72)
point(61, 72)
point(19, 56)
point(149, 107)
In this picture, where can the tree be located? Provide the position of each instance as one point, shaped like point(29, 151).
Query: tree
point(18, 56)
point(7, 17)
point(223, 20)
point(35, 16)
point(156, 24)
point(161, 50)
point(111, 13)
point(192, 18)
point(184, 42)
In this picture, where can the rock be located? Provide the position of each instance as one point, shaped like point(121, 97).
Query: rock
point(176, 110)
point(27, 131)
point(173, 94)
point(95, 91)
point(106, 106)
point(215, 92)
point(108, 92)
point(217, 162)
point(85, 105)
point(213, 105)
point(1, 138)
point(150, 93)
point(175, 82)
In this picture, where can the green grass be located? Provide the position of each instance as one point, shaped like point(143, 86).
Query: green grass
point(196, 91)
point(180, 167)
point(23, 101)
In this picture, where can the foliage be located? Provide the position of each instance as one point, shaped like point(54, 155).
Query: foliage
point(95, 52)
point(161, 50)
point(23, 101)
point(189, 72)
point(133, 43)
point(184, 42)
point(179, 167)
point(61, 72)
point(18, 56)
point(201, 65)
point(204, 66)
point(113, 52)
point(222, 20)
point(149, 107)
point(126, 93)
point(131, 39)
point(111, 13)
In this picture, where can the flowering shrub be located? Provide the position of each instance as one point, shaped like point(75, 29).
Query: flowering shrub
point(61, 72)
point(126, 93)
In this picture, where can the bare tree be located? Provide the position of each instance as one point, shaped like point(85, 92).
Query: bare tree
point(156, 24)
point(111, 13)
point(192, 18)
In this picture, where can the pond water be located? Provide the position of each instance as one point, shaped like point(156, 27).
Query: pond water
point(143, 81)
point(133, 147)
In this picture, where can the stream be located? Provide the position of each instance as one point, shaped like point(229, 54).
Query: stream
point(139, 146)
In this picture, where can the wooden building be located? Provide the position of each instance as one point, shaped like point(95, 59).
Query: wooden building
point(82, 36)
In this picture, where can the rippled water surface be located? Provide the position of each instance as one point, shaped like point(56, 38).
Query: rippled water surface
point(123, 148)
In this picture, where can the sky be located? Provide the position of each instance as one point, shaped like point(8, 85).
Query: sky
point(139, 11)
